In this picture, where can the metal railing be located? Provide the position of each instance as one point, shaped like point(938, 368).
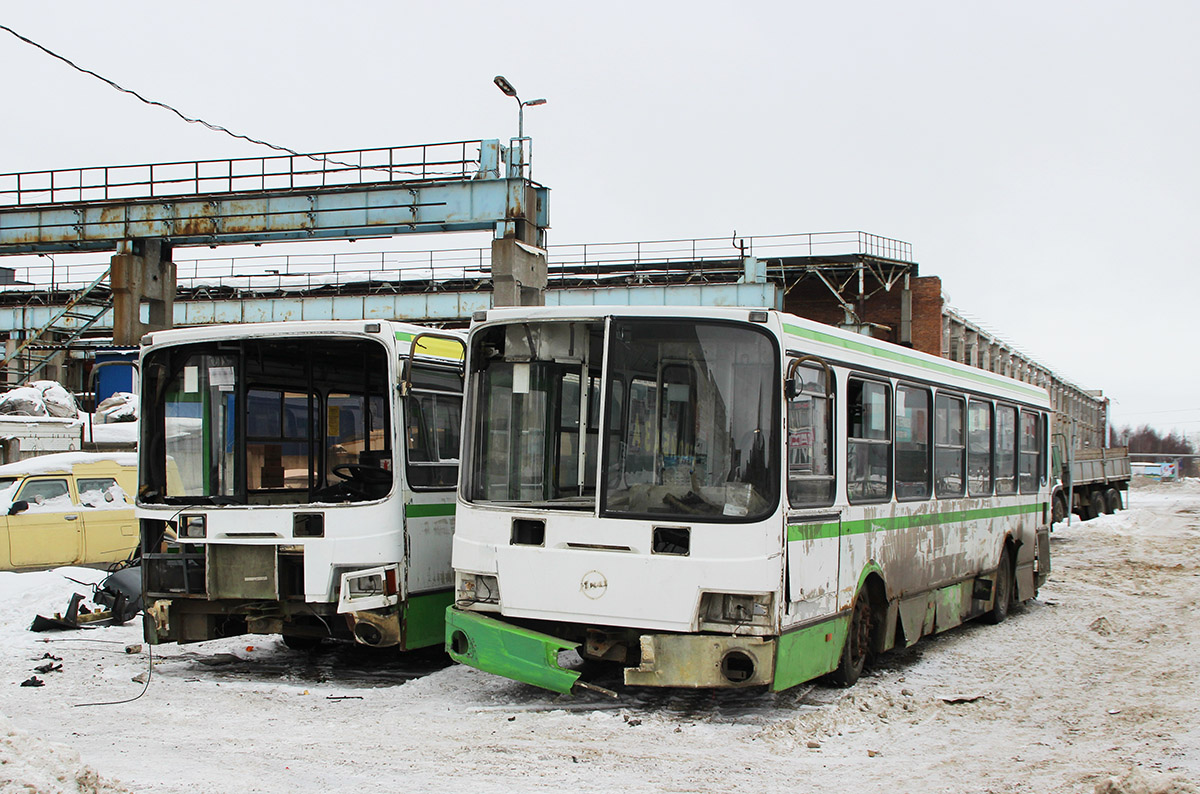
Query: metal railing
point(423, 162)
point(692, 255)
point(632, 259)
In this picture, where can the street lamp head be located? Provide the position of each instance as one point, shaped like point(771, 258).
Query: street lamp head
point(535, 102)
point(504, 85)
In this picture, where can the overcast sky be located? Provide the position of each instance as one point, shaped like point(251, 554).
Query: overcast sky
point(1041, 157)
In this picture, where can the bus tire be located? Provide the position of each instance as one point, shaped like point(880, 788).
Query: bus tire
point(1096, 504)
point(1112, 500)
point(1004, 590)
point(1058, 510)
point(858, 643)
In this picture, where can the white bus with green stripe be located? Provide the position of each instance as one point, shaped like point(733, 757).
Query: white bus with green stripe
point(723, 497)
point(297, 478)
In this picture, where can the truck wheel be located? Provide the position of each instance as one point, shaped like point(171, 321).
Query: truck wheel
point(1096, 504)
point(1058, 510)
point(1112, 500)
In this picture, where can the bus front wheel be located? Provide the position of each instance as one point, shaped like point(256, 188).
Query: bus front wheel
point(858, 643)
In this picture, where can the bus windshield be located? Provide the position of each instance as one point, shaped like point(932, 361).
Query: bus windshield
point(691, 415)
point(267, 421)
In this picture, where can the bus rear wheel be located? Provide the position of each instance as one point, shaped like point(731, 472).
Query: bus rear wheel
point(1003, 589)
point(857, 645)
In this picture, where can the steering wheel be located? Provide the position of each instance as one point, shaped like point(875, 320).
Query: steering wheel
point(370, 475)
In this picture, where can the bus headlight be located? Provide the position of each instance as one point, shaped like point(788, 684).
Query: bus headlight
point(477, 588)
point(735, 609)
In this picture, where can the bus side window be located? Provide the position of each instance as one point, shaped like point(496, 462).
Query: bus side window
point(949, 450)
point(912, 443)
point(810, 440)
point(433, 426)
point(979, 448)
point(1031, 451)
point(1006, 449)
point(868, 441)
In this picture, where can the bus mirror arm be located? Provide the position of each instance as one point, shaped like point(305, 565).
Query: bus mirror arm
point(793, 388)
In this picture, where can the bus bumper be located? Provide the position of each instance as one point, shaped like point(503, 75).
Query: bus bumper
point(703, 661)
point(494, 646)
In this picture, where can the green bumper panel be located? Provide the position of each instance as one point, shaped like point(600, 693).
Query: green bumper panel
point(805, 654)
point(497, 647)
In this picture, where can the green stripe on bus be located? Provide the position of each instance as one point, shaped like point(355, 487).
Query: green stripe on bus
point(429, 510)
point(812, 531)
point(831, 529)
point(905, 358)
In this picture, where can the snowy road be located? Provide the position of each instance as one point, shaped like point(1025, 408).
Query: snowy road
point(1098, 677)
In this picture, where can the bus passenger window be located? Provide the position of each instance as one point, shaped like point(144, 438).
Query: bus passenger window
point(1006, 449)
point(1031, 451)
point(810, 440)
point(912, 443)
point(979, 448)
point(949, 450)
point(868, 442)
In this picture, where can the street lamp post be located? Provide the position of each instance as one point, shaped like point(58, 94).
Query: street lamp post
point(508, 90)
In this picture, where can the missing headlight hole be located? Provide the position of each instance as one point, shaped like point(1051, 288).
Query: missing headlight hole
point(737, 667)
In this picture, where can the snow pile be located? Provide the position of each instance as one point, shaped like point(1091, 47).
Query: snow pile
point(120, 407)
point(40, 398)
point(1140, 781)
point(30, 764)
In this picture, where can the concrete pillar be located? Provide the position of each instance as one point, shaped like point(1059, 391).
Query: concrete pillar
point(518, 273)
point(142, 272)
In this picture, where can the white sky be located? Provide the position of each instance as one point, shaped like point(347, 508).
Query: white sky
point(1041, 157)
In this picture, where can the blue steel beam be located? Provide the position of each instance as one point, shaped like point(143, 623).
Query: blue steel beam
point(440, 306)
point(376, 210)
point(381, 205)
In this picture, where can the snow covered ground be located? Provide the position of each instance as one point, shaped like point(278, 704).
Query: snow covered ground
point(1095, 687)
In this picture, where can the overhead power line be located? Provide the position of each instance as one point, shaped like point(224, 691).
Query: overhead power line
point(163, 105)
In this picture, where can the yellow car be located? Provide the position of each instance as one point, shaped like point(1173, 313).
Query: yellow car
point(69, 508)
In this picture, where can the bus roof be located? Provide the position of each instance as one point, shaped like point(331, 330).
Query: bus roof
point(806, 336)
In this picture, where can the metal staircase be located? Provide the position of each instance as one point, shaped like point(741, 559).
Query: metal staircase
point(66, 326)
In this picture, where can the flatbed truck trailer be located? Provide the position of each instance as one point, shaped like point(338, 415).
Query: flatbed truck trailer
point(1090, 482)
